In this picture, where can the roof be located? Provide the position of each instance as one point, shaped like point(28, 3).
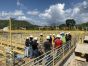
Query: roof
point(86, 38)
point(82, 48)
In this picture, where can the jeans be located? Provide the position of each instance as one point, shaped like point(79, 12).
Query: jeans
point(26, 51)
point(35, 53)
point(31, 51)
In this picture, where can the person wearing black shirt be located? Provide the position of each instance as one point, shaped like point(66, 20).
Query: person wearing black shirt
point(67, 37)
point(35, 48)
point(47, 44)
point(27, 47)
point(30, 47)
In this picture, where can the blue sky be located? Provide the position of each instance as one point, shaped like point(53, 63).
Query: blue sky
point(45, 12)
point(10, 5)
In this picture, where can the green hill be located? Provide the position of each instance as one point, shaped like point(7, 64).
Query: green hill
point(17, 24)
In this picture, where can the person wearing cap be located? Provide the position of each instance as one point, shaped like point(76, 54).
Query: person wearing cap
point(41, 44)
point(41, 38)
point(27, 47)
point(50, 40)
point(47, 47)
point(30, 47)
point(47, 44)
point(67, 37)
point(63, 37)
point(35, 47)
point(70, 36)
point(53, 39)
point(58, 41)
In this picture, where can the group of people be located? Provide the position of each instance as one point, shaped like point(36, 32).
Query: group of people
point(31, 47)
point(52, 41)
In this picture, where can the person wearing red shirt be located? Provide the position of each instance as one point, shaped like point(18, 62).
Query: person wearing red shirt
point(58, 41)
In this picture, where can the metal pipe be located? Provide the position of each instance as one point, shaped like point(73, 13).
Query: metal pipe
point(10, 32)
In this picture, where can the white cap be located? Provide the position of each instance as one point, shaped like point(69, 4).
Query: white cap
point(36, 38)
point(31, 36)
point(27, 38)
point(58, 36)
point(48, 37)
point(68, 32)
point(38, 42)
point(50, 34)
point(62, 33)
point(53, 34)
point(41, 34)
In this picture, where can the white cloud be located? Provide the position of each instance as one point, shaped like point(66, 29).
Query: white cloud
point(54, 14)
point(57, 13)
point(22, 18)
point(10, 13)
point(85, 3)
point(18, 13)
point(75, 11)
point(18, 3)
point(80, 12)
point(33, 13)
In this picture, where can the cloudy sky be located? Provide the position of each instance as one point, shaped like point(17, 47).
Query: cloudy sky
point(45, 12)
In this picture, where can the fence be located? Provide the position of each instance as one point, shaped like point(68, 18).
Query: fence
point(53, 57)
point(50, 58)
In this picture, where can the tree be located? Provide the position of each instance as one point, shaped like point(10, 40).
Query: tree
point(62, 26)
point(70, 23)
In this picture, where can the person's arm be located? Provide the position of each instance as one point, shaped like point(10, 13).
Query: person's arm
point(44, 47)
point(71, 37)
point(61, 42)
point(54, 44)
point(25, 43)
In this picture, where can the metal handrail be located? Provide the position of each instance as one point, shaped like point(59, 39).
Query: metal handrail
point(59, 51)
point(33, 61)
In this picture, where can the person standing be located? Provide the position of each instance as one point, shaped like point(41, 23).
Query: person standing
point(47, 48)
point(67, 37)
point(63, 38)
point(41, 38)
point(58, 41)
point(35, 47)
point(41, 42)
point(50, 40)
point(27, 47)
point(53, 39)
point(47, 44)
point(70, 36)
point(30, 47)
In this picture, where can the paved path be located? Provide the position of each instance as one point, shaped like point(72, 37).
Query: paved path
point(72, 62)
point(69, 60)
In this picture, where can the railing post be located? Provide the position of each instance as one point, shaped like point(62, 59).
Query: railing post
point(53, 55)
point(43, 62)
point(69, 45)
point(63, 50)
point(32, 63)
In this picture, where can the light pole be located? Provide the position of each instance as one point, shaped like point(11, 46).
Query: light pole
point(10, 33)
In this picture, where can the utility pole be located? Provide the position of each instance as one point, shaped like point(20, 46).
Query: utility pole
point(10, 32)
point(10, 49)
